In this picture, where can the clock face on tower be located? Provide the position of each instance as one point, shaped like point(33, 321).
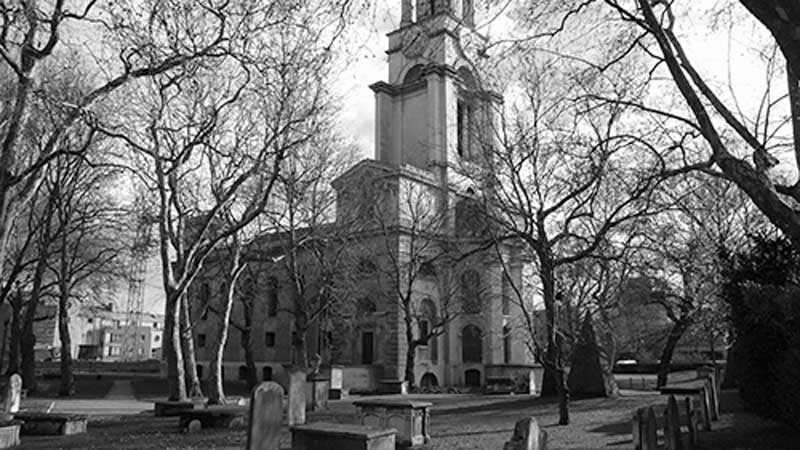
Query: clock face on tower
point(414, 42)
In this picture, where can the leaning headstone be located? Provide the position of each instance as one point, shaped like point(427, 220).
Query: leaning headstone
point(586, 376)
point(527, 436)
point(266, 416)
point(672, 425)
point(650, 441)
point(297, 397)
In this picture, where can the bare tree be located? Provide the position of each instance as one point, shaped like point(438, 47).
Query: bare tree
point(87, 251)
point(568, 176)
point(211, 139)
point(31, 43)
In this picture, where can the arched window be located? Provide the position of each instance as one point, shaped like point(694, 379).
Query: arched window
point(471, 344)
point(471, 218)
point(471, 292)
point(366, 306)
point(428, 314)
point(467, 78)
point(427, 269)
point(272, 296)
point(413, 74)
point(266, 373)
point(367, 266)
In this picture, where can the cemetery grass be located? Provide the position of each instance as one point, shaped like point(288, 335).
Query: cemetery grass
point(596, 424)
point(472, 427)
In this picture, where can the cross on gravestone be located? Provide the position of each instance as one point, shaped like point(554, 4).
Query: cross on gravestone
point(527, 436)
point(266, 417)
point(672, 425)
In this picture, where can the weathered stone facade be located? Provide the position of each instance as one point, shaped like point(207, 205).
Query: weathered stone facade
point(428, 141)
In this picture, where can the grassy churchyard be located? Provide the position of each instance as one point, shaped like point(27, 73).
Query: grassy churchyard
point(464, 421)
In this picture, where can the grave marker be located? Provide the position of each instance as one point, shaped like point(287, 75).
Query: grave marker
point(297, 397)
point(650, 431)
point(672, 425)
point(266, 417)
point(527, 436)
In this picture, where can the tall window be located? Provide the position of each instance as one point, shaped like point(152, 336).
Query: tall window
point(205, 299)
point(463, 126)
point(470, 292)
point(471, 344)
point(269, 339)
point(367, 347)
point(506, 344)
point(272, 297)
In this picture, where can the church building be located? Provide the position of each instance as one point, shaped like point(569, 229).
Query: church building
point(420, 247)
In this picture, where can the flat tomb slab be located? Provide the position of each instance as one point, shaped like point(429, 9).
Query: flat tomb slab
point(46, 424)
point(340, 436)
point(164, 408)
point(215, 417)
point(398, 403)
point(9, 433)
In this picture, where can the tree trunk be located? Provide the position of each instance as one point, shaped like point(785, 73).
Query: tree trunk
point(193, 388)
point(67, 387)
point(16, 334)
point(172, 348)
point(216, 394)
point(411, 353)
point(28, 346)
point(555, 380)
point(675, 333)
point(28, 353)
point(249, 354)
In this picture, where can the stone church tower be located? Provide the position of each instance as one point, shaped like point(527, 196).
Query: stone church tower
point(432, 129)
point(414, 223)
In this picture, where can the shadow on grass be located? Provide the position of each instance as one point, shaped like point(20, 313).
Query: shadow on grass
point(148, 388)
point(86, 387)
point(515, 402)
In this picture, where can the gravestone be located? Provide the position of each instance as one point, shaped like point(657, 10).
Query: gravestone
point(12, 390)
point(266, 417)
point(672, 425)
point(650, 441)
point(297, 396)
point(12, 394)
point(336, 383)
point(586, 376)
point(320, 385)
point(527, 436)
point(693, 420)
point(637, 425)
